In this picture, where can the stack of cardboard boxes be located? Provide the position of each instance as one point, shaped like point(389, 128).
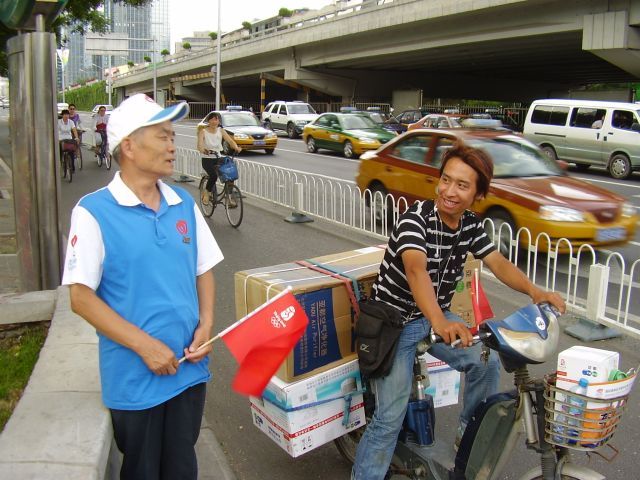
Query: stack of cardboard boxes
point(316, 395)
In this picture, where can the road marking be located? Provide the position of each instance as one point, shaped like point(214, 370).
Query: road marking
point(609, 182)
point(637, 244)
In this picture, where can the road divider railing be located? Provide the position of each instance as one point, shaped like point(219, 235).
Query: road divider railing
point(598, 286)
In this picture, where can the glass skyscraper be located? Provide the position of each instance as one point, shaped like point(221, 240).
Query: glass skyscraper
point(139, 24)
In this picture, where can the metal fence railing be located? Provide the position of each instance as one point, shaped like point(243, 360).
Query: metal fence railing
point(599, 287)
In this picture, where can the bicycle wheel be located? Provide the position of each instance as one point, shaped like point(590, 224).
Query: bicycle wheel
point(99, 157)
point(233, 204)
point(207, 201)
point(107, 160)
point(66, 165)
point(79, 157)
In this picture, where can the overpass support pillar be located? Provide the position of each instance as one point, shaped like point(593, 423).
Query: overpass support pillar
point(609, 36)
point(329, 84)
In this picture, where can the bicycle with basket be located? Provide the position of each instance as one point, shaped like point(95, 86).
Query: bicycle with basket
point(225, 191)
point(69, 147)
point(102, 153)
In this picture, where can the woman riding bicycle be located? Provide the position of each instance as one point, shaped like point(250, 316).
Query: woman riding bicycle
point(100, 126)
point(67, 133)
point(210, 140)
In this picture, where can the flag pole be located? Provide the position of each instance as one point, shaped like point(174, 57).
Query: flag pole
point(239, 322)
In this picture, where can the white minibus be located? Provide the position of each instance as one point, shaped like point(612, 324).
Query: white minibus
point(586, 132)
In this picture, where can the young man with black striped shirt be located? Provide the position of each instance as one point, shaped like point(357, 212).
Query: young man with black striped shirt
point(420, 269)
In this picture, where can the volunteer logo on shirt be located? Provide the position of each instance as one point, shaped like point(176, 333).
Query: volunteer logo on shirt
point(183, 229)
point(74, 240)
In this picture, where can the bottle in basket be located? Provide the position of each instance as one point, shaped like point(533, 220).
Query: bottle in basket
point(576, 410)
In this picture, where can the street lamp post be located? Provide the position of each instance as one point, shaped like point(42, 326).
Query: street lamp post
point(219, 58)
point(155, 69)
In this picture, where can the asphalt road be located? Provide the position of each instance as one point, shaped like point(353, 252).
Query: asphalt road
point(265, 239)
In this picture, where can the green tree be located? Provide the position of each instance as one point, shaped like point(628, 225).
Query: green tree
point(213, 35)
point(285, 12)
point(246, 25)
point(131, 64)
point(165, 52)
point(147, 58)
point(77, 16)
point(186, 46)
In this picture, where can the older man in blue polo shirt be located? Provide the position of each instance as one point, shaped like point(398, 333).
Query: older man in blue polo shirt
point(139, 265)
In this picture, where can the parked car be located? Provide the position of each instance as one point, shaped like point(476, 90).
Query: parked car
point(349, 133)
point(438, 120)
point(605, 134)
point(245, 129)
point(528, 189)
point(288, 116)
point(95, 109)
point(62, 106)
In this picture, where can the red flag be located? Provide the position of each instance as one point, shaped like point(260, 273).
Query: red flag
point(481, 308)
point(261, 341)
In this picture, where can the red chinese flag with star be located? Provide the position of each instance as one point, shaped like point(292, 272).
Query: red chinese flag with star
point(261, 341)
point(481, 309)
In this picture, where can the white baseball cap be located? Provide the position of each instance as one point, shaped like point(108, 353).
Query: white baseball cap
point(140, 111)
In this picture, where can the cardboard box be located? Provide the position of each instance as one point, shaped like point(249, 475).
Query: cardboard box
point(461, 301)
point(579, 362)
point(332, 384)
point(444, 382)
point(300, 431)
point(329, 339)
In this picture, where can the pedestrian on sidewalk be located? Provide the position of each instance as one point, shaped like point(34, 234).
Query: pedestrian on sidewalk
point(139, 265)
point(421, 267)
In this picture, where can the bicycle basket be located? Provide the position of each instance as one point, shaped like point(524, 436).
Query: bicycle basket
point(68, 146)
point(228, 170)
point(579, 422)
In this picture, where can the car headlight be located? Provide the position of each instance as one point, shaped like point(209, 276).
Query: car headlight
point(240, 136)
point(368, 141)
point(628, 210)
point(556, 213)
point(270, 135)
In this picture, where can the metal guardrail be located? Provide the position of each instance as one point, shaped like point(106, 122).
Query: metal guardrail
point(598, 291)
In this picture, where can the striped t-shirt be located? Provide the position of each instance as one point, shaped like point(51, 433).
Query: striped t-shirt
point(420, 228)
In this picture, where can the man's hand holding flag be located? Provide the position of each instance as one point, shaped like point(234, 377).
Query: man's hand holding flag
point(261, 341)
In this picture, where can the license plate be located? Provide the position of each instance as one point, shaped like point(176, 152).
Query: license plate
point(259, 142)
point(611, 234)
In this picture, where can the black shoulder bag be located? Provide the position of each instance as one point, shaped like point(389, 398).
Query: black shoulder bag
point(377, 332)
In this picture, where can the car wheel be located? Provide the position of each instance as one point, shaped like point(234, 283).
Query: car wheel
point(267, 125)
point(620, 166)
point(378, 199)
point(550, 152)
point(311, 145)
point(291, 131)
point(348, 150)
point(502, 234)
point(269, 151)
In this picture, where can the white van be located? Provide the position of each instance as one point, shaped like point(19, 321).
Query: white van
point(587, 133)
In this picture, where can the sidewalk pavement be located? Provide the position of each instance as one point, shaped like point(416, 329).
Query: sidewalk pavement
point(75, 441)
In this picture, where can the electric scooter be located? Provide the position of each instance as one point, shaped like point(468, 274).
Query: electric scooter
point(528, 336)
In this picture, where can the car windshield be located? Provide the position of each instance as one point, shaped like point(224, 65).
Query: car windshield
point(302, 108)
point(378, 117)
point(239, 119)
point(351, 122)
point(514, 157)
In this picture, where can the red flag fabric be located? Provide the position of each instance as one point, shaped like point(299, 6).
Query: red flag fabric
point(261, 341)
point(481, 309)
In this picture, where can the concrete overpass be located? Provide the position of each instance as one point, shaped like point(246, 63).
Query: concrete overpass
point(509, 50)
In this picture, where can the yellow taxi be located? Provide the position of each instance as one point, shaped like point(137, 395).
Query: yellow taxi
point(528, 190)
point(245, 129)
point(349, 133)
